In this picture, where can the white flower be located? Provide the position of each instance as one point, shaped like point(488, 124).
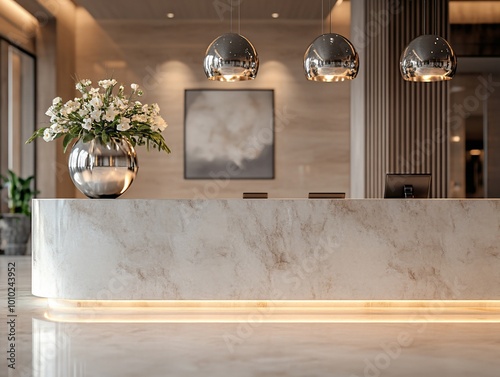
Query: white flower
point(95, 115)
point(96, 102)
point(83, 112)
point(110, 114)
point(100, 107)
point(48, 135)
point(141, 118)
point(124, 124)
point(159, 123)
point(70, 107)
point(82, 84)
point(50, 112)
point(107, 83)
point(80, 87)
point(87, 124)
point(120, 104)
point(56, 128)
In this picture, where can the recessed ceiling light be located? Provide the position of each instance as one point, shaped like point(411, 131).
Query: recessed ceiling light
point(455, 139)
point(275, 15)
point(170, 15)
point(475, 152)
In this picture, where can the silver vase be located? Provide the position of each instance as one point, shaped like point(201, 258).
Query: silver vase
point(103, 170)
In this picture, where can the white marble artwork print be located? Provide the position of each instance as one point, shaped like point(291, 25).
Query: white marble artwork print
point(229, 134)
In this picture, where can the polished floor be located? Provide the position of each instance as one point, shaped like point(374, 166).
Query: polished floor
point(57, 349)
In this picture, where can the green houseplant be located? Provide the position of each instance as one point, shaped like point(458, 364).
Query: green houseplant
point(15, 226)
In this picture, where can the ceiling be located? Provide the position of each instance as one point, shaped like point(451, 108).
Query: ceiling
point(461, 11)
point(217, 10)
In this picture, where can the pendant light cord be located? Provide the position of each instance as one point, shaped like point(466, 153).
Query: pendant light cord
point(330, 10)
point(239, 17)
point(435, 18)
point(322, 18)
point(231, 17)
point(425, 18)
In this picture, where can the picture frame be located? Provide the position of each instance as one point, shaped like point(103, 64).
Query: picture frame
point(229, 134)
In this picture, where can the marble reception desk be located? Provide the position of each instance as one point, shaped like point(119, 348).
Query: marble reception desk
point(266, 249)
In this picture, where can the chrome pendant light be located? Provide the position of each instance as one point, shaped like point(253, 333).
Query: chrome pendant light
point(428, 58)
point(231, 57)
point(331, 57)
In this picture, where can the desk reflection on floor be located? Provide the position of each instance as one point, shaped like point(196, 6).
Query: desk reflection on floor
point(264, 349)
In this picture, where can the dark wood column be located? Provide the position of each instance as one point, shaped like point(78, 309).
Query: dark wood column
point(403, 124)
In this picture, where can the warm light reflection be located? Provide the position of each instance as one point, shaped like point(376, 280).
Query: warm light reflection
point(475, 152)
point(16, 14)
point(307, 311)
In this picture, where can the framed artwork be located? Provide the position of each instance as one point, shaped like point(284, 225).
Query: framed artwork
point(229, 134)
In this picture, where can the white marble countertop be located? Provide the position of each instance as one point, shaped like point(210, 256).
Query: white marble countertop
point(49, 349)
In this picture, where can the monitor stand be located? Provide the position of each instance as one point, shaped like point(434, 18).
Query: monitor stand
point(408, 191)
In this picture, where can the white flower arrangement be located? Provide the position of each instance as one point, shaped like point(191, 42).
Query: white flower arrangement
point(99, 113)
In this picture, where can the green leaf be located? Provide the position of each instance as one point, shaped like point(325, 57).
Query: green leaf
point(19, 193)
point(36, 134)
point(66, 141)
point(105, 138)
point(88, 137)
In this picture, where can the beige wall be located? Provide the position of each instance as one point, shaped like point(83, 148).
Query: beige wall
point(312, 119)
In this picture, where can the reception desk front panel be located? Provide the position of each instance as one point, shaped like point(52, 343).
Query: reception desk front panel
point(266, 249)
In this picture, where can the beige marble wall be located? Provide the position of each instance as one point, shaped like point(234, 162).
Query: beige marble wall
point(312, 119)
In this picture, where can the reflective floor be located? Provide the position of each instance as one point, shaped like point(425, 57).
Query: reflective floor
point(252, 348)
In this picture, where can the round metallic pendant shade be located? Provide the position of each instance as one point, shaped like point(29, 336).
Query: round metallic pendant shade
point(331, 57)
point(231, 57)
point(428, 58)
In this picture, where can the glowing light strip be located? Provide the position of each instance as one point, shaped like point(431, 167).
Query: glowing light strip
point(283, 311)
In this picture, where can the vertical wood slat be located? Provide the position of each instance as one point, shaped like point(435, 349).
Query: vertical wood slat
point(405, 122)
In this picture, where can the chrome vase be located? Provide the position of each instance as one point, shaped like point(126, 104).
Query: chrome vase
point(103, 170)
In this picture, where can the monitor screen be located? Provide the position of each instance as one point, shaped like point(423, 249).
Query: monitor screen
point(407, 186)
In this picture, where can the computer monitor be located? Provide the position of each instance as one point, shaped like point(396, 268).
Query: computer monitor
point(407, 186)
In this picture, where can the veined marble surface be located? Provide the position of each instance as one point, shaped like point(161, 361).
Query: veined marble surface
point(266, 249)
point(51, 349)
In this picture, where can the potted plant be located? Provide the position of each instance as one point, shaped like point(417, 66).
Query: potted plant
point(105, 125)
point(15, 226)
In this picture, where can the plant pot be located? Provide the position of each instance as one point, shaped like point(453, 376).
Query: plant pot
point(15, 230)
point(103, 170)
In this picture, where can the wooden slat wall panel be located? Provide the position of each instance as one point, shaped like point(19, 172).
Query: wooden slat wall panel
point(406, 122)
